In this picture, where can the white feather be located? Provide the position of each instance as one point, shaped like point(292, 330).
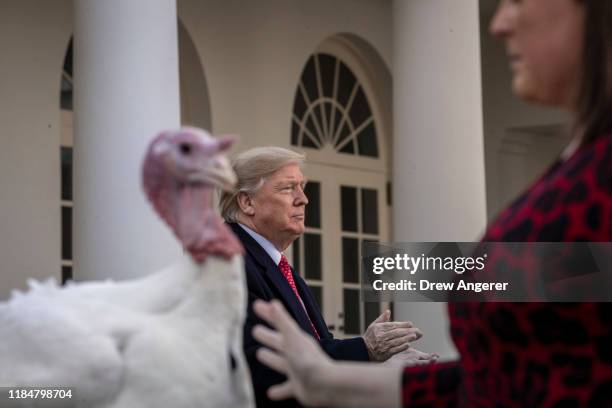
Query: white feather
point(160, 341)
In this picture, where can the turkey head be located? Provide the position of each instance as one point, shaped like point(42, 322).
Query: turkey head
point(180, 172)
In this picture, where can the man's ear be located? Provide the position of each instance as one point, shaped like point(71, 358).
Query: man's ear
point(245, 202)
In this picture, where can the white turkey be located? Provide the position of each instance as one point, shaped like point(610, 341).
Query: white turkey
point(171, 339)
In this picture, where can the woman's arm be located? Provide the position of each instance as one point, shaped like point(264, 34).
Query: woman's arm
point(313, 378)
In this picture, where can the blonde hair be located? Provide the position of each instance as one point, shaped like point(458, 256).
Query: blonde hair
point(252, 167)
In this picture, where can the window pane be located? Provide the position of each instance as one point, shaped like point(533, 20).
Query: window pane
point(369, 210)
point(66, 82)
point(66, 163)
point(372, 311)
point(317, 292)
point(295, 130)
point(309, 80)
point(350, 260)
point(360, 109)
point(344, 133)
point(351, 312)
point(307, 141)
point(313, 209)
point(66, 233)
point(66, 100)
point(68, 59)
point(346, 82)
point(312, 256)
point(66, 274)
point(327, 66)
point(299, 104)
point(369, 277)
point(348, 203)
point(348, 148)
point(366, 139)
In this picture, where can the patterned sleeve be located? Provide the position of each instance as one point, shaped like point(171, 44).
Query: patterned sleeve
point(433, 385)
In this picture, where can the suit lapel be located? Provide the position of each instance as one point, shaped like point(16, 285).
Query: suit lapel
point(311, 306)
point(275, 278)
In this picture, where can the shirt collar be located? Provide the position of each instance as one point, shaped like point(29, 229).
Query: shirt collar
point(271, 250)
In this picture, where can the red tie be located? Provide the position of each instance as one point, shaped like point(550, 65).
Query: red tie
point(286, 271)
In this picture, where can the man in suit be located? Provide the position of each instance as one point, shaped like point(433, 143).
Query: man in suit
point(266, 212)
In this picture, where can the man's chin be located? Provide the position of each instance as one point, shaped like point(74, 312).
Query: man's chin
point(298, 229)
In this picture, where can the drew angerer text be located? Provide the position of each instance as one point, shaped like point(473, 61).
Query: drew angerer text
point(424, 284)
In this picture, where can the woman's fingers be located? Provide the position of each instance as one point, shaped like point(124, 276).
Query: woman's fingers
point(263, 310)
point(275, 315)
point(267, 337)
point(272, 360)
point(281, 391)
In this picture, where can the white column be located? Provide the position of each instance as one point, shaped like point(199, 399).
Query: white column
point(438, 162)
point(126, 90)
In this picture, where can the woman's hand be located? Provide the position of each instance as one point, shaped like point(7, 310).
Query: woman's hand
point(312, 377)
point(293, 353)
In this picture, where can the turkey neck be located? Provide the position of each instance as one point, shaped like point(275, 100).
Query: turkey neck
point(199, 228)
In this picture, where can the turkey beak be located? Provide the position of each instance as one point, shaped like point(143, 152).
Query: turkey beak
point(218, 172)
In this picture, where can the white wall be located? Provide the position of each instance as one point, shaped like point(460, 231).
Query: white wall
point(253, 53)
point(33, 38)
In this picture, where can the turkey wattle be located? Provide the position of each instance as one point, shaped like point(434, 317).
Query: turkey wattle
point(170, 339)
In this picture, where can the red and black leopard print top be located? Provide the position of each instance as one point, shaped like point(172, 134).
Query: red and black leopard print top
point(534, 354)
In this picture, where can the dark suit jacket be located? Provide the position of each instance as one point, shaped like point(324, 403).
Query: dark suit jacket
point(265, 281)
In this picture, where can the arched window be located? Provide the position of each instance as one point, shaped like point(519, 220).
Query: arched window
point(331, 108)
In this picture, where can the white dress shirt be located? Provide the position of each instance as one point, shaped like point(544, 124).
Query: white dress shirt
point(274, 253)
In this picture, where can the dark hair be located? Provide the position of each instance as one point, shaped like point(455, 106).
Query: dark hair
point(595, 98)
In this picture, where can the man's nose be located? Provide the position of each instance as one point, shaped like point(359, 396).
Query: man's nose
point(301, 198)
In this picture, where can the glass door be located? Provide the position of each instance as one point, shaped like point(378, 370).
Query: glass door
point(346, 207)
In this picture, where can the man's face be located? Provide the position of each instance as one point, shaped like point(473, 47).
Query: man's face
point(279, 206)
